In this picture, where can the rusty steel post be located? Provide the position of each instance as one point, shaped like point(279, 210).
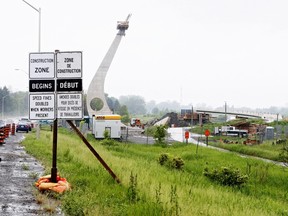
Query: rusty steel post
point(93, 151)
point(54, 159)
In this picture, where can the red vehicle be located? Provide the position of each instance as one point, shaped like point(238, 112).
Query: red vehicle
point(135, 122)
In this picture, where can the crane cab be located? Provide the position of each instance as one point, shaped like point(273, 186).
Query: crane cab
point(122, 25)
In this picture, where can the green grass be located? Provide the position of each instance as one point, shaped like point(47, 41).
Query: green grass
point(266, 150)
point(147, 188)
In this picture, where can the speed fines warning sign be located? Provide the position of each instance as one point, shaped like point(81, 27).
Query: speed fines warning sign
point(41, 106)
point(69, 106)
point(69, 65)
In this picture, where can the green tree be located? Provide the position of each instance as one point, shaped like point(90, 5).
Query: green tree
point(123, 111)
point(5, 102)
point(135, 104)
point(160, 133)
point(155, 111)
point(113, 104)
point(17, 104)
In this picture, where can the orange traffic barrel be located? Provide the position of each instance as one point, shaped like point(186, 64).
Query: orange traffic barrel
point(2, 136)
point(6, 131)
point(13, 128)
point(9, 126)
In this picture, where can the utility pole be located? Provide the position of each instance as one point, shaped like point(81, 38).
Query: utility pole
point(225, 111)
point(3, 107)
point(39, 23)
point(192, 115)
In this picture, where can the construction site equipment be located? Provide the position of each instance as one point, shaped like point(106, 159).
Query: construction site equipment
point(195, 117)
point(135, 122)
point(123, 25)
point(107, 123)
point(231, 131)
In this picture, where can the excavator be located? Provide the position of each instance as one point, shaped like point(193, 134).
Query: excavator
point(135, 122)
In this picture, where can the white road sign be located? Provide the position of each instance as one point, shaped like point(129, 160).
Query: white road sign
point(41, 106)
point(41, 65)
point(69, 65)
point(69, 106)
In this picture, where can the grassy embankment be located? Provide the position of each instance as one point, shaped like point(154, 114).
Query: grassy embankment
point(147, 188)
point(268, 149)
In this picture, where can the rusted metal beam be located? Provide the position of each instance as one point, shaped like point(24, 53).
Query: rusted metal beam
point(93, 151)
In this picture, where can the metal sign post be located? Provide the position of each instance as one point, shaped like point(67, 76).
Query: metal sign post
point(207, 134)
point(54, 151)
point(44, 87)
point(59, 97)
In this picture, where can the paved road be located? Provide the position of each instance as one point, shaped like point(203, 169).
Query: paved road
point(17, 176)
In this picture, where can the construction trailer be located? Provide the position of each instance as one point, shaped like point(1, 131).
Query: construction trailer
point(110, 123)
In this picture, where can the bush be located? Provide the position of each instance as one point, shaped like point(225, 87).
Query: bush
point(177, 163)
point(163, 158)
point(283, 156)
point(227, 176)
point(159, 134)
point(107, 141)
point(170, 162)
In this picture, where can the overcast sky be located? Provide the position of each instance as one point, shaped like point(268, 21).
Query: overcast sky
point(189, 51)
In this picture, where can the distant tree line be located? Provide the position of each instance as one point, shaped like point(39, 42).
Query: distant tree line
point(14, 104)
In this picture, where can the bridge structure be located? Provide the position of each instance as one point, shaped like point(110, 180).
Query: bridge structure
point(95, 93)
point(266, 116)
point(230, 113)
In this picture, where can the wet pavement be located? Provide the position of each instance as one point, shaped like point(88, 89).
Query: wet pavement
point(18, 172)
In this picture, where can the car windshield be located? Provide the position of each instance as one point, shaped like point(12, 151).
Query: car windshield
point(23, 122)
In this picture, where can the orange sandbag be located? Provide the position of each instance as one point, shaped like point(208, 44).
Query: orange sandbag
point(59, 188)
point(45, 177)
point(40, 181)
point(47, 186)
point(44, 183)
point(64, 183)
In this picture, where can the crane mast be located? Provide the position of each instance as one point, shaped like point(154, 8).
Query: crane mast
point(96, 92)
